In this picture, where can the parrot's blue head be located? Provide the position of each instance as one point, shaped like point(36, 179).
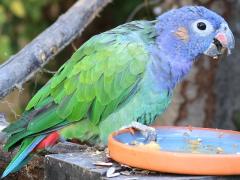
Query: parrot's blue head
point(190, 31)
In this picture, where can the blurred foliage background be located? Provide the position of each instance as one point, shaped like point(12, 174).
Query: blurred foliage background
point(205, 98)
point(22, 20)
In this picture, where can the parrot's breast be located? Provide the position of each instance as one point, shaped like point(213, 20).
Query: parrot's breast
point(143, 107)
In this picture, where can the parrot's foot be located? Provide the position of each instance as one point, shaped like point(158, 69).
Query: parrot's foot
point(148, 132)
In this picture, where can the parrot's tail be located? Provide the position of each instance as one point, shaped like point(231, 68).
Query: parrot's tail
point(30, 144)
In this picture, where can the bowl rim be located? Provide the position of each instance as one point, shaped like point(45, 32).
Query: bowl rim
point(177, 162)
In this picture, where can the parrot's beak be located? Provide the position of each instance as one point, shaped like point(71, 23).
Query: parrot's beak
point(223, 41)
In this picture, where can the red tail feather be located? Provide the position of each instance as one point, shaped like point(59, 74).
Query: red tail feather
point(50, 140)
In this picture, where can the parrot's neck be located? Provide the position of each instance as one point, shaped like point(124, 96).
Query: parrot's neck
point(166, 72)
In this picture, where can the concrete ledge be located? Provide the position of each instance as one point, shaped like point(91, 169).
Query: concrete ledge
point(75, 166)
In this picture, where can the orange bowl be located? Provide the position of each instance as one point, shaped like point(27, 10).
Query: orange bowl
point(175, 156)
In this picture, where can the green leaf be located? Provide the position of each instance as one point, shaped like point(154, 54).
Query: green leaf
point(17, 8)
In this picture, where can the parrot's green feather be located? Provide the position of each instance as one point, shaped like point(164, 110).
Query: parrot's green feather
point(97, 110)
point(79, 111)
point(58, 93)
point(116, 103)
point(100, 76)
point(45, 91)
point(44, 121)
point(41, 122)
point(17, 126)
point(14, 139)
point(23, 122)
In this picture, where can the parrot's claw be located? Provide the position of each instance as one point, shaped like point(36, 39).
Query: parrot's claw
point(151, 135)
point(148, 132)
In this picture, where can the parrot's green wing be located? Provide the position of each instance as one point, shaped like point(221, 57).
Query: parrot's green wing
point(98, 79)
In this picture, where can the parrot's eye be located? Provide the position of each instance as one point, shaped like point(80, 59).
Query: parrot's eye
point(202, 27)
